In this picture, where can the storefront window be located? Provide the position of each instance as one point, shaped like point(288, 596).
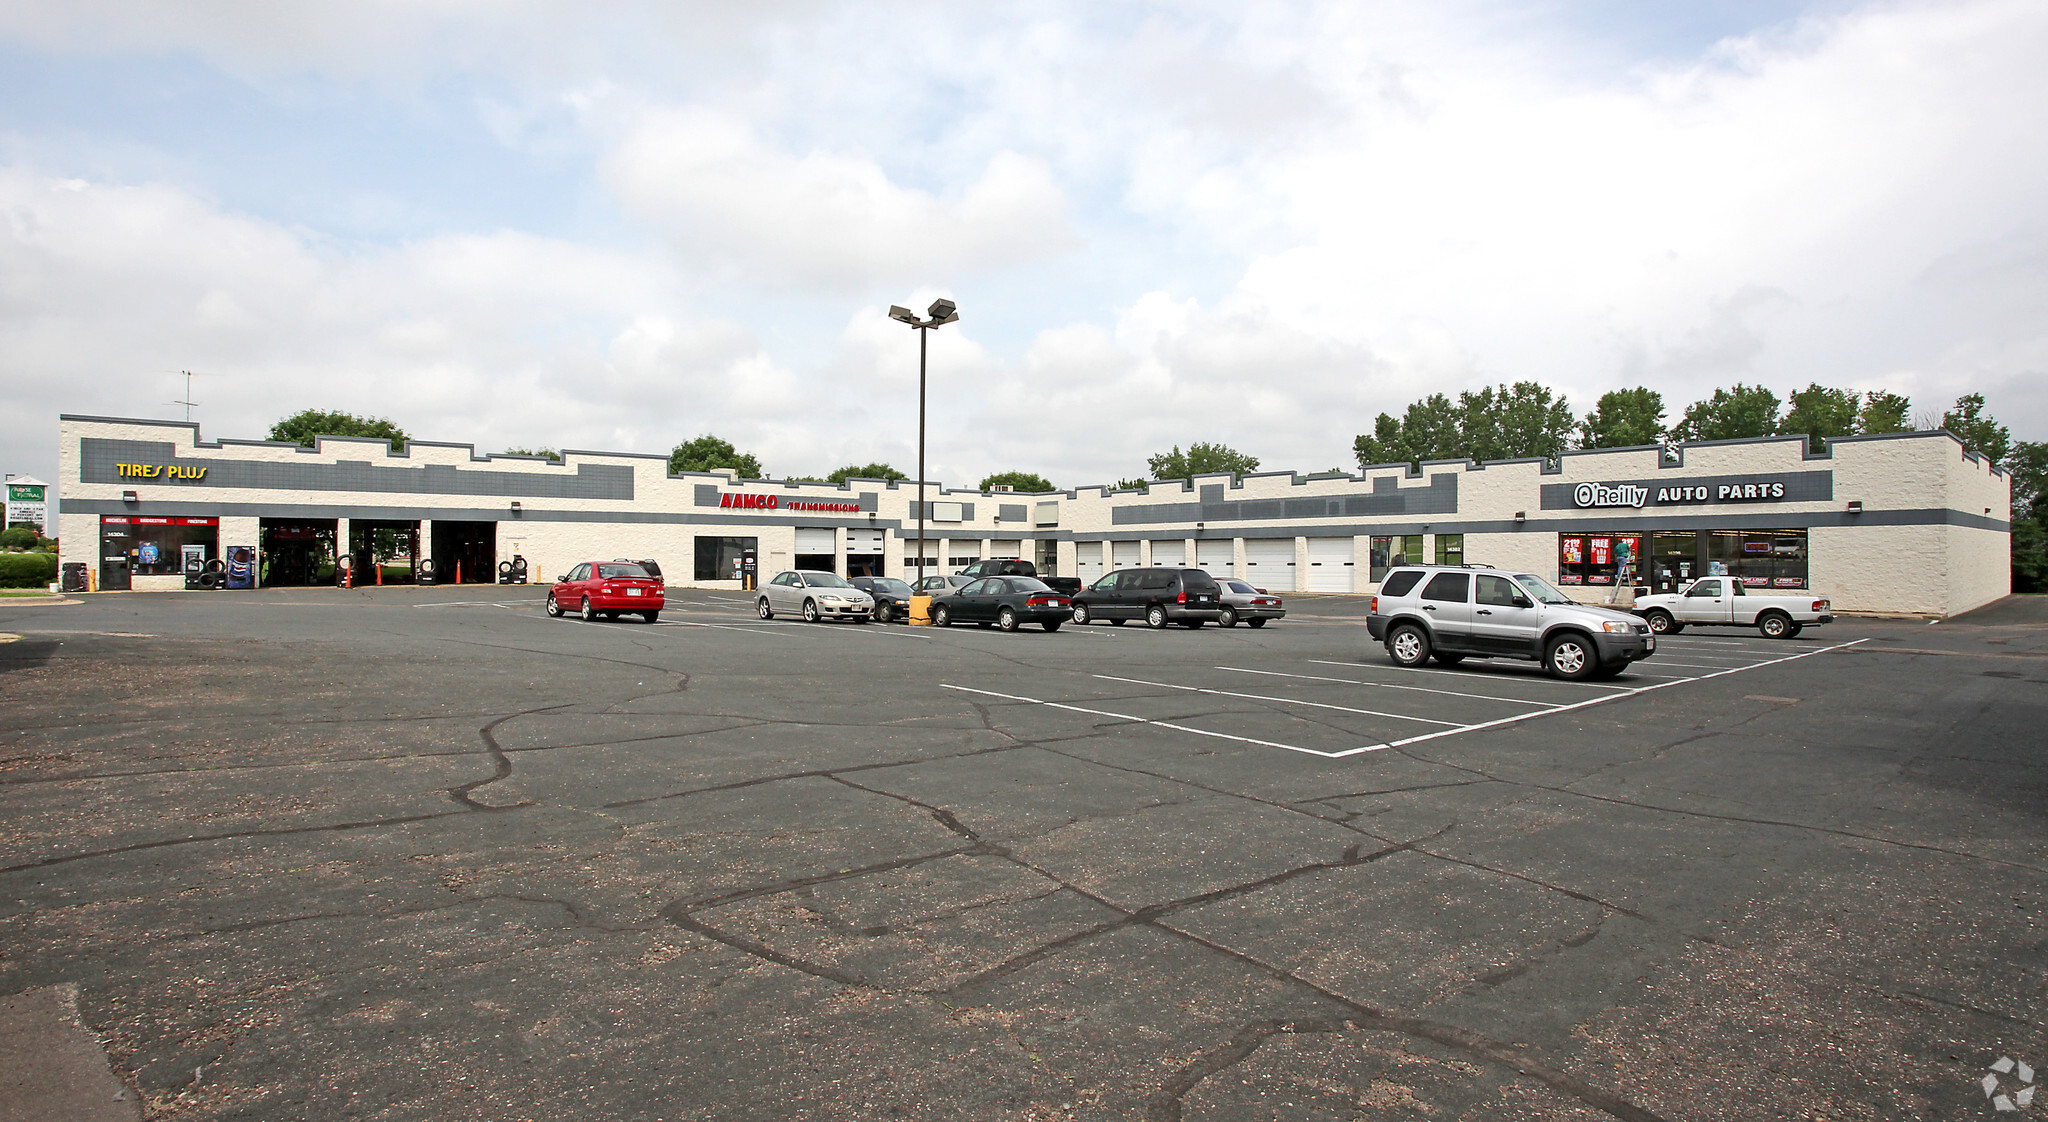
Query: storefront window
point(1397, 550)
point(1599, 559)
point(1761, 558)
point(156, 547)
point(1450, 549)
point(721, 558)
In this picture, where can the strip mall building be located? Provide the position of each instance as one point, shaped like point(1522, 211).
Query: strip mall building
point(1905, 523)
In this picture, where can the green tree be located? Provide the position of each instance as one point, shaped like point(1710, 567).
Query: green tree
point(305, 429)
point(864, 471)
point(548, 453)
point(1883, 411)
point(1730, 415)
point(710, 453)
point(1975, 428)
point(1820, 414)
point(2028, 465)
point(1512, 422)
point(1129, 485)
point(1428, 431)
point(1017, 481)
point(1200, 459)
point(1624, 419)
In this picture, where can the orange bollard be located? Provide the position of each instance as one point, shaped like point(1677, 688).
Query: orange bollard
point(458, 572)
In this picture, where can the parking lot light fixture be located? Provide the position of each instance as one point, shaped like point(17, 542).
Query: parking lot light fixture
point(941, 312)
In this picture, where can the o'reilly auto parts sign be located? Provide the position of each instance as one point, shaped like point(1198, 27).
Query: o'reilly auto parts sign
point(1638, 494)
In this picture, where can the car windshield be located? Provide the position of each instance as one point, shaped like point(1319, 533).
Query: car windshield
point(891, 586)
point(1541, 590)
point(1241, 587)
point(825, 580)
point(617, 571)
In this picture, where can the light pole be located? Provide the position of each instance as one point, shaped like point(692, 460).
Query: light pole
point(942, 312)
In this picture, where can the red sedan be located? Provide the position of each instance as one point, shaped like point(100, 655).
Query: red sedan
point(607, 589)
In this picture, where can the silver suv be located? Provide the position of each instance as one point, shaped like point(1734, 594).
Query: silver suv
point(1455, 612)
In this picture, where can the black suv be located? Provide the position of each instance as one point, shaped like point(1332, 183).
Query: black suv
point(1159, 596)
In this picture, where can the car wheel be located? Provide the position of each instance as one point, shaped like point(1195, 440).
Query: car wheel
point(1255, 623)
point(554, 609)
point(1227, 619)
point(762, 609)
point(1052, 625)
point(1661, 623)
point(881, 613)
point(1443, 659)
point(1797, 627)
point(1408, 646)
point(1155, 617)
point(810, 611)
point(941, 617)
point(1007, 620)
point(1571, 657)
point(589, 613)
point(1776, 625)
point(1081, 614)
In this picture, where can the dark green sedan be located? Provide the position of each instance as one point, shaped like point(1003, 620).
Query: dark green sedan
point(1005, 602)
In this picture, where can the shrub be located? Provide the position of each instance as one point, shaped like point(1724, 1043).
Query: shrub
point(27, 570)
point(18, 537)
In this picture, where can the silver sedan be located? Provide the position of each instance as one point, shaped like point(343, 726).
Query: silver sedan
point(945, 585)
point(814, 596)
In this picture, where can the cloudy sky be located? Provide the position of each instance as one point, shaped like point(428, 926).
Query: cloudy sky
point(617, 226)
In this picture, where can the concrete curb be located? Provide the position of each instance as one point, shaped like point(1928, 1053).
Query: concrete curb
point(52, 1066)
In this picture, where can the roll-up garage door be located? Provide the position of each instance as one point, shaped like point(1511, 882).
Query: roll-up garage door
point(1214, 557)
point(1123, 555)
point(1173, 551)
point(809, 540)
point(1330, 565)
point(1088, 561)
point(1269, 563)
point(865, 541)
point(1006, 548)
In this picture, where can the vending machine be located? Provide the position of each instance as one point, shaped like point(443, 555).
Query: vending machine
point(241, 566)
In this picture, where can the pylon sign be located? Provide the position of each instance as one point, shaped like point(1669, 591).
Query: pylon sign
point(26, 502)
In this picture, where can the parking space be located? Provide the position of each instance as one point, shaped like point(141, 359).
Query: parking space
point(429, 853)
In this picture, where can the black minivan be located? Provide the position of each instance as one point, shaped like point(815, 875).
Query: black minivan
point(1159, 596)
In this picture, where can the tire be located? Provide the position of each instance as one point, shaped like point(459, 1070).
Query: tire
point(1155, 617)
point(650, 616)
point(1443, 659)
point(554, 609)
point(1661, 623)
point(1797, 627)
point(810, 611)
point(1776, 625)
point(1255, 623)
point(762, 609)
point(1007, 620)
point(881, 613)
point(1571, 657)
point(1081, 614)
point(1051, 625)
point(1408, 645)
point(941, 617)
point(589, 613)
point(1228, 618)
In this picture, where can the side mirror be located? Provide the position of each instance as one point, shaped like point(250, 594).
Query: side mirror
point(1523, 602)
point(562, 579)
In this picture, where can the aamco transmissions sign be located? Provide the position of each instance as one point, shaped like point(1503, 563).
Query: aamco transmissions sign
point(1635, 494)
point(743, 501)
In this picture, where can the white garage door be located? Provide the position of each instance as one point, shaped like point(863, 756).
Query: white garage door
point(1088, 561)
point(1123, 555)
point(1330, 565)
point(1269, 563)
point(865, 541)
point(1214, 557)
point(815, 541)
point(1173, 551)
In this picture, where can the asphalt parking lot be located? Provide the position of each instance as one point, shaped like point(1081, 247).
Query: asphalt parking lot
point(428, 854)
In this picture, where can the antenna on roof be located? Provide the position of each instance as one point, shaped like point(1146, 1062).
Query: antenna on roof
point(187, 402)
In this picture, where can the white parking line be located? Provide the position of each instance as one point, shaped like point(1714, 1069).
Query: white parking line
point(1389, 686)
point(1467, 674)
point(1281, 700)
point(1160, 724)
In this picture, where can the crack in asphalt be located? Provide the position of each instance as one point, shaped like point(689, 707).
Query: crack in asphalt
point(501, 765)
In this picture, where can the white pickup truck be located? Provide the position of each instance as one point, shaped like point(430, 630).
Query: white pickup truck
point(1724, 602)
